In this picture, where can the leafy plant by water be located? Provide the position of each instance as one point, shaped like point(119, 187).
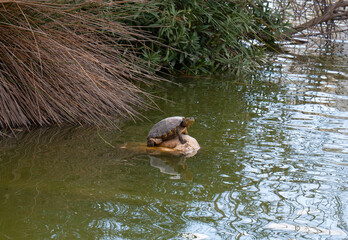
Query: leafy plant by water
point(204, 36)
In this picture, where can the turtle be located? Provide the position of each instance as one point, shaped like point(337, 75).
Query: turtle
point(169, 128)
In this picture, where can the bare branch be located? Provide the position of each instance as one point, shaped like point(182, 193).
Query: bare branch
point(330, 13)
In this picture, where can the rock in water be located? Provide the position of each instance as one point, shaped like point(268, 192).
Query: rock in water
point(190, 147)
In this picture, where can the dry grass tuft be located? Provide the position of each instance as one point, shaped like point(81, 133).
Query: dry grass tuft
point(62, 63)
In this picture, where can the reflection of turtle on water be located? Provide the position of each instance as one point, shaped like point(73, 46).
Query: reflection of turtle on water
point(169, 128)
point(176, 167)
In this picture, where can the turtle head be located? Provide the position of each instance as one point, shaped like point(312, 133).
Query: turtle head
point(187, 121)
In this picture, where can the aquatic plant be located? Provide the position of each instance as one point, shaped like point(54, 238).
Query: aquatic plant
point(62, 62)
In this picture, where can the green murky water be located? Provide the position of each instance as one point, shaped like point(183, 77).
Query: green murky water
point(273, 165)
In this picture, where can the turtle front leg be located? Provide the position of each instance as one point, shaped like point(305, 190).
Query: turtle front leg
point(184, 131)
point(150, 143)
point(183, 141)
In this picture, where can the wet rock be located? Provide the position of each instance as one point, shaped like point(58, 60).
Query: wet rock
point(172, 147)
point(191, 146)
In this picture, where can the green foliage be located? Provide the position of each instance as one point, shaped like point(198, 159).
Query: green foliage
point(200, 36)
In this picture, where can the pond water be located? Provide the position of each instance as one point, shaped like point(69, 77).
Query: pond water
point(273, 164)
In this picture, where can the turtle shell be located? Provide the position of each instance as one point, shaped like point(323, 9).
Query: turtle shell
point(166, 128)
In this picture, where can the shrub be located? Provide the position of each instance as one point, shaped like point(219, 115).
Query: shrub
point(204, 36)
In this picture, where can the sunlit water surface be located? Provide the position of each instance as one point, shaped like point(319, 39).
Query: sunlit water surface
point(273, 164)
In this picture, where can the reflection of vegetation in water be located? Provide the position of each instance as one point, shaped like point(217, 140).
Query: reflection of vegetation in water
point(258, 164)
point(69, 177)
point(71, 160)
point(67, 155)
point(318, 70)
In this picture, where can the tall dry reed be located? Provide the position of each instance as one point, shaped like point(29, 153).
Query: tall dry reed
point(63, 63)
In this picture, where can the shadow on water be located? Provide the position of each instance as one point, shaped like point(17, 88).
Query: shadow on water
point(272, 165)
